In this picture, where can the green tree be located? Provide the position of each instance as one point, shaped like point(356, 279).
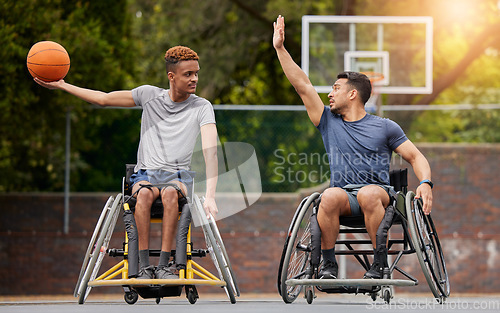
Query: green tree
point(97, 39)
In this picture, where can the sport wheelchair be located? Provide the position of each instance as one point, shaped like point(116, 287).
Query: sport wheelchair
point(124, 272)
point(301, 256)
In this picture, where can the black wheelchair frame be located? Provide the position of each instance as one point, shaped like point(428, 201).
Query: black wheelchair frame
point(301, 254)
point(124, 272)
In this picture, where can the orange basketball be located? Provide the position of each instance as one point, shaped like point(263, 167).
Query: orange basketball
point(48, 61)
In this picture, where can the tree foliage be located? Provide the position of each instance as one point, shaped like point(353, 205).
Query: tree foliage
point(120, 45)
point(96, 36)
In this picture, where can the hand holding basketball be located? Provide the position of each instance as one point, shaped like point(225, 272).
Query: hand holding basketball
point(49, 85)
point(48, 61)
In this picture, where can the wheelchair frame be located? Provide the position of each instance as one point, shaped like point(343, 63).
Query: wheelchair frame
point(190, 275)
point(298, 269)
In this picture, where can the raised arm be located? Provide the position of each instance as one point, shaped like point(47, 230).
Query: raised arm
point(296, 76)
point(121, 98)
point(422, 169)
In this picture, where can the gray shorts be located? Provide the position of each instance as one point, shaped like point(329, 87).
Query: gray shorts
point(352, 194)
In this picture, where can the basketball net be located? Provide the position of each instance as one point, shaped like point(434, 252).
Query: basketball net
point(373, 105)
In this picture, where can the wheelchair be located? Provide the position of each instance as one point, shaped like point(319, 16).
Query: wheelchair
point(124, 272)
point(301, 256)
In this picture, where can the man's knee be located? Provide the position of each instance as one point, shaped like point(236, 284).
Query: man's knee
point(169, 196)
point(372, 197)
point(145, 195)
point(334, 201)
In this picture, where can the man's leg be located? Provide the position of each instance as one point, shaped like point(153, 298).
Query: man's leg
point(145, 198)
point(334, 203)
point(373, 200)
point(170, 199)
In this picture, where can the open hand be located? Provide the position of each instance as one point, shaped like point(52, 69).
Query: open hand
point(279, 32)
point(50, 85)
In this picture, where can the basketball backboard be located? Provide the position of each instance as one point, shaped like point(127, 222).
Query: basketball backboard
point(399, 47)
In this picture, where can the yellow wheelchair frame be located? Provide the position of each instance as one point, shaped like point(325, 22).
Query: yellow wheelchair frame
point(193, 274)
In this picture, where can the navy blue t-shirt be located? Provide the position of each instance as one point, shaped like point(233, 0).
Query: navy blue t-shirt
point(359, 152)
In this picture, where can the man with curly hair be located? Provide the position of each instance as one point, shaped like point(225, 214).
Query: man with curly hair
point(171, 121)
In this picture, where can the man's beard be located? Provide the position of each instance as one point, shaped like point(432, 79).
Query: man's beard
point(335, 110)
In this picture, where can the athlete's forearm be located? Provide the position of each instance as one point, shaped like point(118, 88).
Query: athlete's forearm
point(293, 72)
point(212, 170)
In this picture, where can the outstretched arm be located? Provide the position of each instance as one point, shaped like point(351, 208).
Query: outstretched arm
point(422, 169)
point(296, 76)
point(121, 98)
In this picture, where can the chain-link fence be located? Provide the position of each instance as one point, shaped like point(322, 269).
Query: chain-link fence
point(290, 149)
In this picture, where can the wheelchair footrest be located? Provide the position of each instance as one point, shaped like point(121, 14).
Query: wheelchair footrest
point(200, 253)
point(134, 282)
point(326, 283)
point(147, 292)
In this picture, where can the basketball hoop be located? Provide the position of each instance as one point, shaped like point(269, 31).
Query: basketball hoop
point(376, 81)
point(374, 77)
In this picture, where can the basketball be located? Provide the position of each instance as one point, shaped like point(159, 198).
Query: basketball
point(48, 61)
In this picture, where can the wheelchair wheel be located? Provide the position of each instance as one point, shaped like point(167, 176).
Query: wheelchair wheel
point(220, 244)
point(131, 297)
point(297, 251)
point(98, 246)
point(93, 239)
point(191, 294)
point(428, 248)
point(309, 295)
point(214, 247)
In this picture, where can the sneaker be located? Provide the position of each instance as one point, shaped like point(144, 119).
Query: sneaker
point(329, 270)
point(379, 263)
point(375, 272)
point(147, 272)
point(165, 272)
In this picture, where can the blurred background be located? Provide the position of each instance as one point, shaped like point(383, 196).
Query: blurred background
point(115, 45)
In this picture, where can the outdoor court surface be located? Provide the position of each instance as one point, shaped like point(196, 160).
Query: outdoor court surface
point(210, 303)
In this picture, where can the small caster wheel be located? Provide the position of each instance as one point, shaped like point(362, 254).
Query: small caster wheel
point(309, 296)
point(192, 296)
point(387, 296)
point(373, 296)
point(131, 297)
point(158, 300)
point(441, 300)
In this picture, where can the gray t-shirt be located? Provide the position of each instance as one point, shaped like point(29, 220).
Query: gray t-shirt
point(359, 152)
point(169, 129)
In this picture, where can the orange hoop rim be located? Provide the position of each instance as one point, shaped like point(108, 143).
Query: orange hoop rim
point(374, 76)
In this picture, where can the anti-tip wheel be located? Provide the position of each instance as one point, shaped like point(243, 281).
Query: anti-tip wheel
point(192, 296)
point(131, 297)
point(387, 296)
point(309, 296)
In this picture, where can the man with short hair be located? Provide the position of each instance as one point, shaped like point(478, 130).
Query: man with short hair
point(359, 148)
point(171, 121)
